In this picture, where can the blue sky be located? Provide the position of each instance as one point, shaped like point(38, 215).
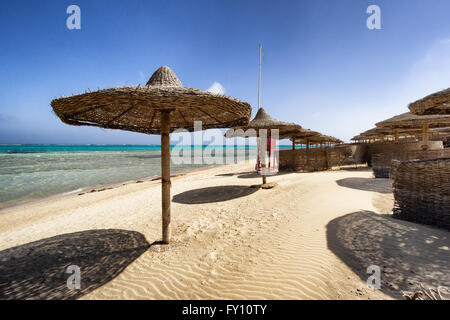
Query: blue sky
point(322, 67)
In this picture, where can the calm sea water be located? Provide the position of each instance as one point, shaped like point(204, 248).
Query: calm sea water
point(36, 171)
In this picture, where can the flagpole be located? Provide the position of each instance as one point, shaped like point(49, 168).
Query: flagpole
point(259, 79)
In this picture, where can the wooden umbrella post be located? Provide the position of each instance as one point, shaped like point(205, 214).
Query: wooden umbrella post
point(293, 144)
point(165, 176)
point(425, 136)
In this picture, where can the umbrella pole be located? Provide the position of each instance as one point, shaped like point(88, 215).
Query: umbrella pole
point(165, 176)
point(425, 136)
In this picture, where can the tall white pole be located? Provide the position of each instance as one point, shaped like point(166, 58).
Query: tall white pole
point(259, 79)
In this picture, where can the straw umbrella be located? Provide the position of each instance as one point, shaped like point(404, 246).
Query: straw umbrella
point(317, 139)
point(436, 103)
point(159, 107)
point(262, 121)
point(303, 135)
point(408, 120)
point(396, 132)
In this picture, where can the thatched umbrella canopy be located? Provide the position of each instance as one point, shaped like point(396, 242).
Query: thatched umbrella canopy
point(262, 121)
point(358, 138)
point(396, 133)
point(159, 107)
point(436, 103)
point(317, 139)
point(303, 136)
point(408, 120)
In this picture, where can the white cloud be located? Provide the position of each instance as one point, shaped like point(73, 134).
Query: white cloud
point(217, 88)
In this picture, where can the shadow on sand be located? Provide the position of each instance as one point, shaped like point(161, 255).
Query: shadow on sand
point(37, 270)
point(367, 184)
point(352, 168)
point(407, 253)
point(214, 194)
point(253, 174)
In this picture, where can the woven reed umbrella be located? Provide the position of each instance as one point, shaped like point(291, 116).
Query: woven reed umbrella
point(159, 107)
point(358, 138)
point(262, 121)
point(436, 103)
point(408, 120)
point(303, 135)
point(318, 139)
point(396, 132)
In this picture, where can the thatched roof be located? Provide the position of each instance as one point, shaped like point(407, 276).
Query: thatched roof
point(136, 108)
point(321, 138)
point(380, 132)
point(377, 133)
point(263, 121)
point(358, 138)
point(409, 120)
point(303, 134)
point(436, 103)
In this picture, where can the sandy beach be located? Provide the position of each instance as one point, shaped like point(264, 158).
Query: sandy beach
point(311, 237)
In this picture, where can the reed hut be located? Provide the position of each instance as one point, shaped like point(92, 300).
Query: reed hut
point(261, 126)
point(159, 107)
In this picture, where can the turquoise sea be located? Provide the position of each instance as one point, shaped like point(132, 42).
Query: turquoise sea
point(35, 171)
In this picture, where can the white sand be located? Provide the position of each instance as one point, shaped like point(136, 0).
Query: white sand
point(308, 238)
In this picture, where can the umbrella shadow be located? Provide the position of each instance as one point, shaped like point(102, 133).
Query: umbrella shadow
point(253, 174)
point(225, 175)
point(380, 185)
point(362, 169)
point(214, 194)
point(37, 270)
point(407, 253)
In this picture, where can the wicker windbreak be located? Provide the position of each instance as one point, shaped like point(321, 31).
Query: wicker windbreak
point(436, 103)
point(422, 191)
point(381, 162)
point(136, 108)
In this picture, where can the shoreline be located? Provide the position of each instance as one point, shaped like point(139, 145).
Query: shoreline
point(102, 187)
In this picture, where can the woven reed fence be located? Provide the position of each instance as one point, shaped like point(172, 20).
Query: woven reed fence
point(302, 160)
point(422, 191)
point(396, 147)
point(381, 162)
